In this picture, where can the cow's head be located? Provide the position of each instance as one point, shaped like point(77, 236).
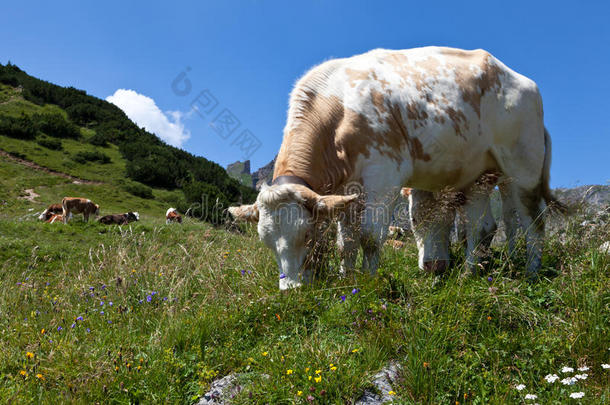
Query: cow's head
point(286, 216)
point(133, 216)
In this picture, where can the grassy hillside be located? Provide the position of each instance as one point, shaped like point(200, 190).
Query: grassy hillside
point(68, 131)
point(152, 313)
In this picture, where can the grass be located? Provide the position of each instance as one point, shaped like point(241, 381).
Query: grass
point(167, 309)
point(150, 313)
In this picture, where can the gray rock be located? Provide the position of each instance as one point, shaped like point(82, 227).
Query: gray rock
point(605, 247)
point(221, 391)
point(382, 382)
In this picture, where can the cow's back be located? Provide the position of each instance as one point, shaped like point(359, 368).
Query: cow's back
point(440, 108)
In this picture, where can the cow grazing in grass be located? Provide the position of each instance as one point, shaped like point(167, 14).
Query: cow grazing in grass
point(76, 205)
point(51, 210)
point(429, 118)
point(120, 219)
point(172, 216)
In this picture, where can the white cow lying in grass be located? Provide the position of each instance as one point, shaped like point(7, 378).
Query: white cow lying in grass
point(428, 118)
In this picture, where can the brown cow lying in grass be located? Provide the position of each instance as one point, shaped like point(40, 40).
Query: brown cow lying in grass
point(76, 205)
point(55, 218)
point(51, 211)
point(120, 219)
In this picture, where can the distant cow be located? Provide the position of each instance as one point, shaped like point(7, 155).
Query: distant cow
point(75, 205)
point(120, 219)
point(172, 216)
point(52, 209)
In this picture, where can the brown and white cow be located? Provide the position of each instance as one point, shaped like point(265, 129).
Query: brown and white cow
point(429, 118)
point(51, 210)
point(119, 219)
point(172, 216)
point(76, 205)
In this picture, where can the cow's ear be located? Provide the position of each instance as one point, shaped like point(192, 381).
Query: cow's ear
point(245, 213)
point(405, 192)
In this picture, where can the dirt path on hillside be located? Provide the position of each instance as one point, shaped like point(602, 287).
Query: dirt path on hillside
point(35, 166)
point(30, 195)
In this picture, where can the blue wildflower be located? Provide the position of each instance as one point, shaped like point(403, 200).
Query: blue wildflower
point(88, 330)
point(282, 275)
point(164, 298)
point(101, 303)
point(154, 293)
point(243, 272)
point(101, 312)
point(109, 321)
point(110, 303)
point(103, 286)
point(343, 298)
point(80, 318)
point(490, 279)
point(355, 291)
point(59, 328)
point(148, 298)
point(92, 288)
point(73, 325)
point(141, 301)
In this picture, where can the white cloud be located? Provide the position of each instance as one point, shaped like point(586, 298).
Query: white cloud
point(144, 112)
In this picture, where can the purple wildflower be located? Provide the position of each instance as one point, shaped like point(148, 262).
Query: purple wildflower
point(47, 283)
point(73, 325)
point(243, 272)
point(92, 288)
point(343, 298)
point(282, 275)
point(164, 298)
point(101, 312)
point(80, 318)
point(101, 303)
point(109, 321)
point(88, 330)
point(355, 291)
point(148, 298)
point(490, 279)
point(141, 301)
point(110, 303)
point(103, 286)
point(59, 328)
point(154, 293)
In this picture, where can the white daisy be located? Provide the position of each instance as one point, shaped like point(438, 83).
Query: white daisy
point(520, 387)
point(551, 378)
point(605, 366)
point(581, 376)
point(583, 368)
point(577, 395)
point(531, 396)
point(567, 369)
point(569, 381)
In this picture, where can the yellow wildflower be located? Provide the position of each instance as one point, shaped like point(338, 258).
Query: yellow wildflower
point(43, 331)
point(265, 354)
point(318, 371)
point(23, 373)
point(299, 393)
point(318, 379)
point(39, 376)
point(29, 355)
point(355, 350)
point(306, 369)
point(288, 372)
point(309, 378)
point(333, 368)
point(391, 393)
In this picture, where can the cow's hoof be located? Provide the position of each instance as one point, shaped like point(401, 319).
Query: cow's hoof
point(436, 266)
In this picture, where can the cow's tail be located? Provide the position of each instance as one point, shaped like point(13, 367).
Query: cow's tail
point(548, 196)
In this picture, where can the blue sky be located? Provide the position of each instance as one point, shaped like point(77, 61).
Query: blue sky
point(248, 54)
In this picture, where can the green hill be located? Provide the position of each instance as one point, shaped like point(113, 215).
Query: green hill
point(68, 131)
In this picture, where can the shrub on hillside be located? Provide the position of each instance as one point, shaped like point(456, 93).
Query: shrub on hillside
point(20, 128)
point(50, 143)
point(91, 156)
point(56, 125)
point(98, 140)
point(139, 190)
point(204, 201)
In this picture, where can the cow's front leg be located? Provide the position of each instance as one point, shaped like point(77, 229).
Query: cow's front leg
point(348, 242)
point(480, 227)
point(375, 222)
